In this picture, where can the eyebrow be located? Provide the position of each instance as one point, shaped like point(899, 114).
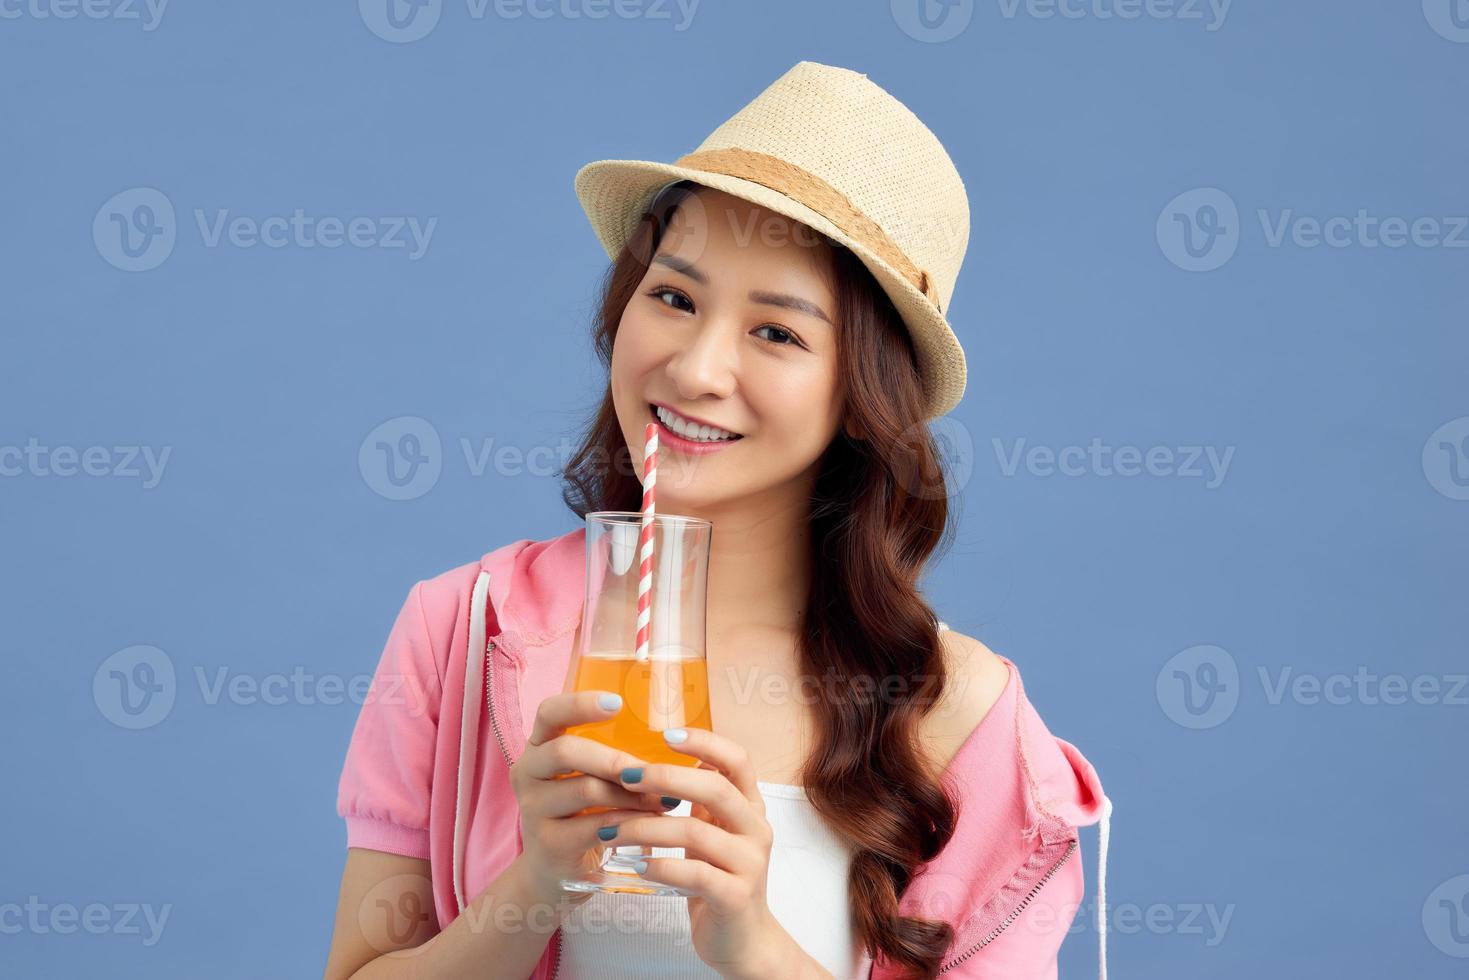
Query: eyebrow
point(783, 300)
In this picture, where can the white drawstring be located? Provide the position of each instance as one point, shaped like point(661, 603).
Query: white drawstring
point(1102, 836)
point(474, 704)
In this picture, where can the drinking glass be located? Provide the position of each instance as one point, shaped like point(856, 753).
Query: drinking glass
point(667, 688)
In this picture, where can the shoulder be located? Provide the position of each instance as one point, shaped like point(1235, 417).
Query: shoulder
point(439, 597)
point(974, 678)
point(436, 605)
point(444, 595)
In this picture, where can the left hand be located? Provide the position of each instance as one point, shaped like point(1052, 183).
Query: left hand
point(726, 845)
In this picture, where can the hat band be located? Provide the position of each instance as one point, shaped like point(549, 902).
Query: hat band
point(806, 188)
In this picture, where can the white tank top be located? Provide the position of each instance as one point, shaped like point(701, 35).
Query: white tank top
point(621, 937)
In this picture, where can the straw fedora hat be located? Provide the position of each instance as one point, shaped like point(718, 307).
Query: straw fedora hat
point(829, 148)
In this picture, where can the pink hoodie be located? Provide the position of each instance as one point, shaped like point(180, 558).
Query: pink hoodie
point(425, 778)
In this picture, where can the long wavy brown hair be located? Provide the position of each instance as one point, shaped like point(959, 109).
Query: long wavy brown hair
point(878, 513)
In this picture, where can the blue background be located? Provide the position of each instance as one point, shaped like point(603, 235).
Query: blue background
point(1332, 543)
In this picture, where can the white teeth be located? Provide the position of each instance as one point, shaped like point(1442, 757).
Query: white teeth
point(698, 433)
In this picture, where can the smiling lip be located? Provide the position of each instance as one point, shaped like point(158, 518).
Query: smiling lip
point(678, 443)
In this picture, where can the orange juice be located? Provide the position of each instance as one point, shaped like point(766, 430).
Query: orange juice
point(657, 692)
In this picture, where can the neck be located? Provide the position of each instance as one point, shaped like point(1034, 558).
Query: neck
point(759, 564)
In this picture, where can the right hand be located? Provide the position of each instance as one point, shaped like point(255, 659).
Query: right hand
point(560, 841)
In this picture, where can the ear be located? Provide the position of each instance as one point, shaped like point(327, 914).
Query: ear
point(854, 430)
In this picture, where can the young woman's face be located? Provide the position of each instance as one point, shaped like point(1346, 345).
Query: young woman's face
point(733, 325)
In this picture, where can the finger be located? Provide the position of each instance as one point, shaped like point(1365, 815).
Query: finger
point(564, 797)
point(580, 833)
point(578, 754)
point(560, 711)
point(699, 839)
point(705, 787)
point(720, 752)
point(725, 893)
point(709, 788)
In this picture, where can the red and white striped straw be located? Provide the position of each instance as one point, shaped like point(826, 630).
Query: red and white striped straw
point(645, 537)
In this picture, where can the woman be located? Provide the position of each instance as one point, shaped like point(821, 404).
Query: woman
point(776, 303)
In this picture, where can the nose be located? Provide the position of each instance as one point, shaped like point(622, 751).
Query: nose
point(705, 365)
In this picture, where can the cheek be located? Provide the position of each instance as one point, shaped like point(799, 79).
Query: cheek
point(633, 350)
point(802, 408)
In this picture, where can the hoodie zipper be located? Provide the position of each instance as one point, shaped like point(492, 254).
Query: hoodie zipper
point(1014, 913)
point(500, 740)
point(490, 699)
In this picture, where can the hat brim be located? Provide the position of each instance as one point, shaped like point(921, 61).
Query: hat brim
point(614, 194)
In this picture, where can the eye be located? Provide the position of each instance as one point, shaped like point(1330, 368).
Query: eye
point(659, 292)
point(784, 333)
